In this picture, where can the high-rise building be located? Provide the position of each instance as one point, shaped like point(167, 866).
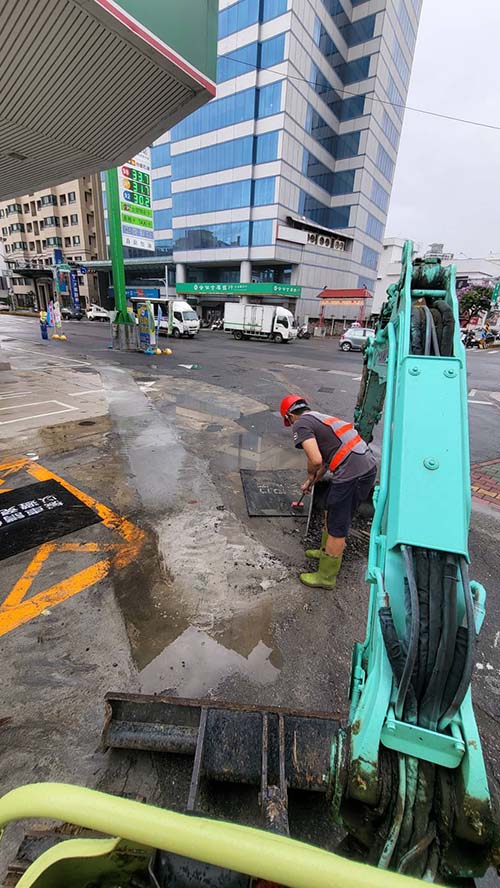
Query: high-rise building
point(59, 225)
point(285, 178)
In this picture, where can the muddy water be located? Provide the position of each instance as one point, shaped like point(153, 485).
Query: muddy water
point(198, 605)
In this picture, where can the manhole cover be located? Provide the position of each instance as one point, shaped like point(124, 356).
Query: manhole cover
point(87, 422)
point(38, 513)
point(270, 494)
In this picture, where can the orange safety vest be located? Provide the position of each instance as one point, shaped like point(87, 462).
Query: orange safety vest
point(348, 436)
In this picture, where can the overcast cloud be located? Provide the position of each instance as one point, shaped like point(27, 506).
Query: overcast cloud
point(447, 182)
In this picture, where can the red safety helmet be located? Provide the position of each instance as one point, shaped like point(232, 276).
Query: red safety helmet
point(287, 403)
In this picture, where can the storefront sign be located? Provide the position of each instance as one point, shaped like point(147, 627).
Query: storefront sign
point(237, 289)
point(75, 290)
point(136, 202)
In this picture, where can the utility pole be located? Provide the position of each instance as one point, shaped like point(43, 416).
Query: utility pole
point(124, 323)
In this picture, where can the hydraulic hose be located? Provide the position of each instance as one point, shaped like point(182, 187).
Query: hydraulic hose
point(411, 657)
point(469, 654)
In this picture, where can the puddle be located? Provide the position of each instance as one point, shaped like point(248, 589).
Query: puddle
point(196, 664)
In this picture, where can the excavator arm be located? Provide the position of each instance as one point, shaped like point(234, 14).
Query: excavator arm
point(410, 780)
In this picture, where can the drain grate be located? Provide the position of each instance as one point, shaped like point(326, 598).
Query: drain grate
point(38, 513)
point(325, 388)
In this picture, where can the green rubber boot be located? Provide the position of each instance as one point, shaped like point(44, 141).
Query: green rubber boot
point(316, 553)
point(326, 575)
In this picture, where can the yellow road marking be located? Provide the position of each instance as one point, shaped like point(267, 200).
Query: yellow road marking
point(16, 608)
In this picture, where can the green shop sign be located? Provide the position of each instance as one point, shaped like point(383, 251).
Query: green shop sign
point(210, 289)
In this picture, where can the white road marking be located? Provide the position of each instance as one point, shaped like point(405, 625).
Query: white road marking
point(320, 370)
point(86, 392)
point(486, 403)
point(497, 639)
point(48, 356)
point(356, 378)
point(472, 393)
point(67, 409)
point(6, 395)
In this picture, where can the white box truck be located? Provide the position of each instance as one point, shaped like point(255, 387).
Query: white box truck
point(259, 322)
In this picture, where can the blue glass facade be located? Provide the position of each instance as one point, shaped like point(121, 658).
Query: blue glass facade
point(246, 12)
point(226, 234)
point(226, 155)
point(248, 58)
point(228, 196)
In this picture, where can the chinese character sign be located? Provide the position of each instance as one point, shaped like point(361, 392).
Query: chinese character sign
point(136, 207)
point(28, 509)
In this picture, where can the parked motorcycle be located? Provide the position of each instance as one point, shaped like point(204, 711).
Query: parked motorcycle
point(303, 332)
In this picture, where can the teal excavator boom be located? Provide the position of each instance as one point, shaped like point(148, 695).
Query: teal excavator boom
point(410, 779)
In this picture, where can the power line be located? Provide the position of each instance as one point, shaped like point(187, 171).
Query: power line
point(373, 98)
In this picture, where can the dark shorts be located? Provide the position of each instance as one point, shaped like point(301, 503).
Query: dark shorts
point(342, 501)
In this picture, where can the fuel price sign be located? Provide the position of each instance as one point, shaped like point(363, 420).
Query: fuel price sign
point(136, 203)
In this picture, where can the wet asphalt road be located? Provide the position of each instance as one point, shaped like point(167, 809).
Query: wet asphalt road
point(316, 369)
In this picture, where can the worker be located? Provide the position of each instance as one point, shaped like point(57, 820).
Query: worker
point(331, 445)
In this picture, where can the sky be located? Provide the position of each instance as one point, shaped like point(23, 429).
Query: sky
point(447, 182)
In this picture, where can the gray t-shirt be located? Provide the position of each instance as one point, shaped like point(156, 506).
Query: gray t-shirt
point(354, 466)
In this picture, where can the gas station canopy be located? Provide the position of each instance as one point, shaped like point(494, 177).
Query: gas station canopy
point(86, 84)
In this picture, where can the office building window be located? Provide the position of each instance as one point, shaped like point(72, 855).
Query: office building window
point(239, 61)
point(160, 155)
point(359, 31)
point(67, 241)
point(163, 246)
point(266, 147)
point(248, 58)
point(334, 7)
point(162, 219)
point(246, 12)
point(16, 226)
point(272, 9)
point(225, 155)
point(269, 99)
point(162, 188)
point(48, 200)
point(369, 258)
point(26, 208)
point(65, 221)
point(366, 283)
point(211, 237)
point(328, 217)
point(32, 245)
point(352, 107)
point(13, 208)
point(71, 197)
point(217, 114)
point(19, 245)
point(62, 200)
point(50, 221)
point(395, 97)
point(319, 130)
point(390, 129)
point(317, 172)
point(272, 51)
point(5, 231)
point(374, 227)
point(76, 239)
point(400, 61)
point(347, 145)
point(74, 218)
point(406, 25)
point(53, 242)
point(385, 164)
point(261, 232)
point(352, 72)
point(379, 196)
point(263, 191)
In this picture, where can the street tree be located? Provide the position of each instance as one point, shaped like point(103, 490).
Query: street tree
point(473, 301)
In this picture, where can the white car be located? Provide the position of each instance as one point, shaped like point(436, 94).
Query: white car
point(97, 313)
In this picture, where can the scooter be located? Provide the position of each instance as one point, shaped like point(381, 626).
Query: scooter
point(303, 332)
